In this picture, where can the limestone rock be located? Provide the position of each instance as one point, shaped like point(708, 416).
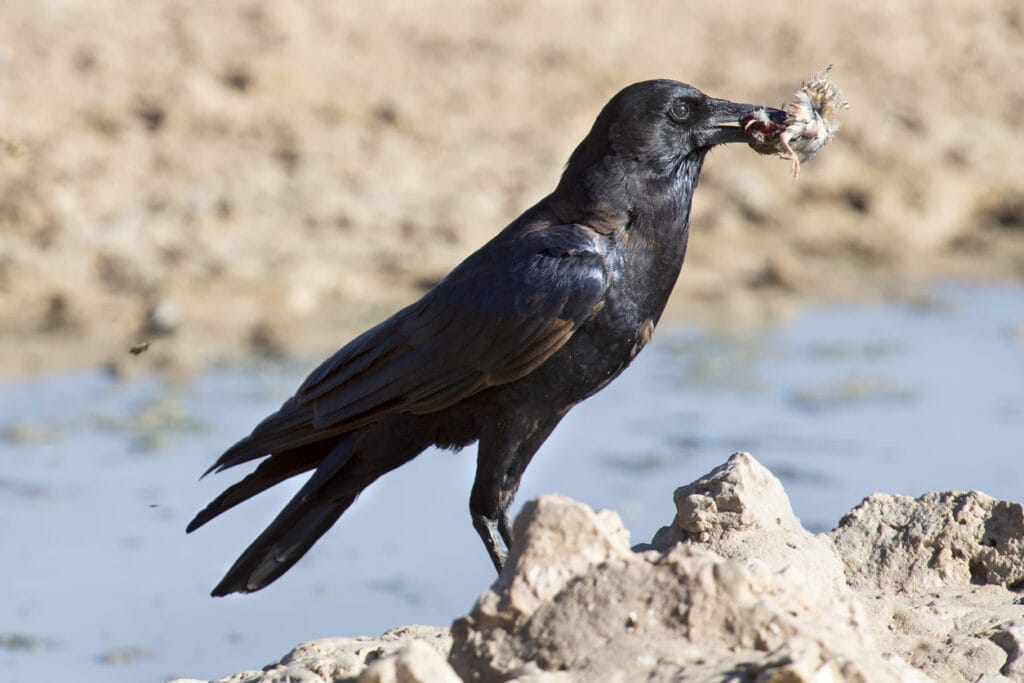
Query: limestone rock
point(1010, 637)
point(579, 601)
point(538, 568)
point(943, 574)
point(411, 650)
point(737, 496)
point(416, 662)
point(740, 510)
point(899, 544)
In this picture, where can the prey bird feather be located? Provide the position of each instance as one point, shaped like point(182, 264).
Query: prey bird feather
point(810, 121)
point(541, 317)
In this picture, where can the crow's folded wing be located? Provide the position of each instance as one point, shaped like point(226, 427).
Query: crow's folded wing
point(498, 316)
point(495, 318)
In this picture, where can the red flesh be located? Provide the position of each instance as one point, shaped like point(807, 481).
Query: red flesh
point(759, 127)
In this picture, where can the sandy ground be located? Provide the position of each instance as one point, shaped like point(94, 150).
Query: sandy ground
point(236, 177)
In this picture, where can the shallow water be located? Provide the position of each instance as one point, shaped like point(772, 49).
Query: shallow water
point(98, 478)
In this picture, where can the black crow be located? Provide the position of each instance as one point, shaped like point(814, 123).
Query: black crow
point(544, 315)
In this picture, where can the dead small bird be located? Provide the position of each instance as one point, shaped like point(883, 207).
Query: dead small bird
point(810, 123)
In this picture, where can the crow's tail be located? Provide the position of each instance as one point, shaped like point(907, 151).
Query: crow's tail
point(344, 465)
point(305, 518)
point(287, 539)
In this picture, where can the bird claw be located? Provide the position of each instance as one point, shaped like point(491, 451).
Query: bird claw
point(488, 529)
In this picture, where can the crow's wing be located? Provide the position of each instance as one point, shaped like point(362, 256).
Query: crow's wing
point(495, 318)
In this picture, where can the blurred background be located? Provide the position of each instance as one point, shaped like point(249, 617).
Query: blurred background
point(245, 185)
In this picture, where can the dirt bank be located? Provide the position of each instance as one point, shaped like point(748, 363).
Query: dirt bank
point(735, 588)
point(227, 178)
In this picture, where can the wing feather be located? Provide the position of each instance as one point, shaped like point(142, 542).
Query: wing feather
point(494, 319)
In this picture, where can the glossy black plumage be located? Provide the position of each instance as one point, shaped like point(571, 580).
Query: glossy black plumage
point(541, 317)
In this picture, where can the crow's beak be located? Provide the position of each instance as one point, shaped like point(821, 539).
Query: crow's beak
point(724, 121)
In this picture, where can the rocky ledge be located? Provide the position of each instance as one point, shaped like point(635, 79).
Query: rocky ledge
point(904, 589)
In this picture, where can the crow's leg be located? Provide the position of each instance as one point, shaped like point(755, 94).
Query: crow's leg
point(502, 457)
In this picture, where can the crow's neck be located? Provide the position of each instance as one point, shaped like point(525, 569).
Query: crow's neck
point(653, 204)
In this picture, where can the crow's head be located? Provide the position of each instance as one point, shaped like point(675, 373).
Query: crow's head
point(656, 129)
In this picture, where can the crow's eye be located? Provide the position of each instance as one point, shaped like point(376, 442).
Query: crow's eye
point(680, 111)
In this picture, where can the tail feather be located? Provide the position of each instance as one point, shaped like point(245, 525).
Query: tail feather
point(273, 470)
point(289, 428)
point(343, 464)
point(283, 543)
point(310, 513)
